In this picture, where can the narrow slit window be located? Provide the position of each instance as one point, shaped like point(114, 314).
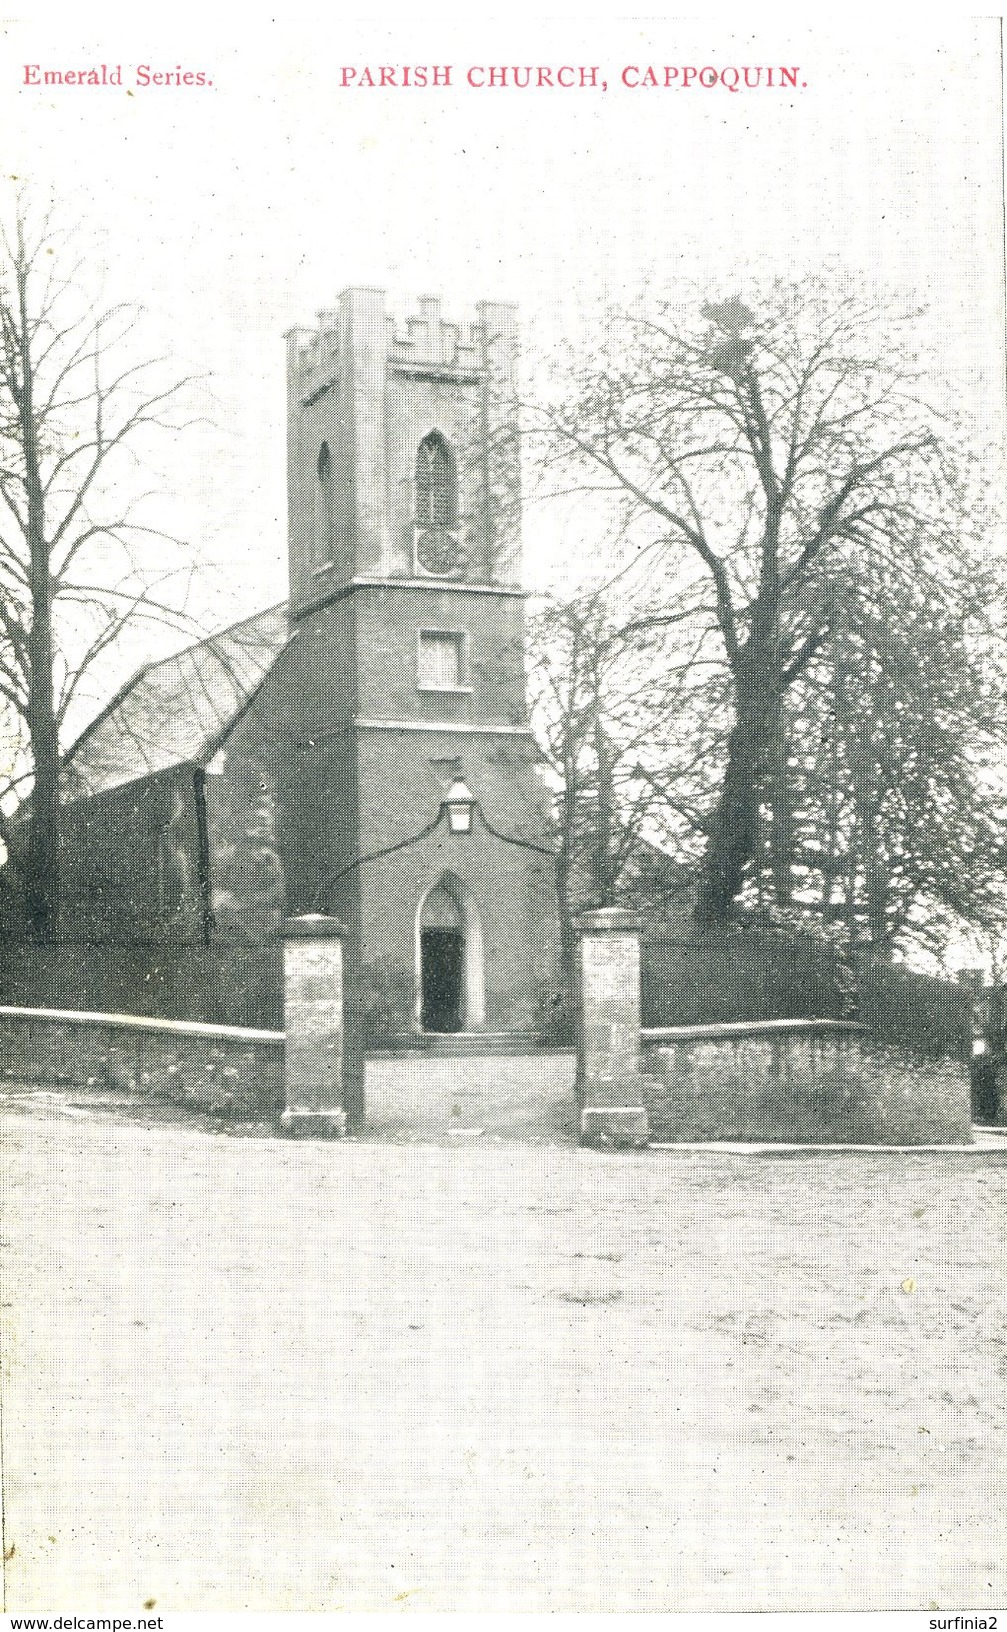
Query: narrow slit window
point(323, 506)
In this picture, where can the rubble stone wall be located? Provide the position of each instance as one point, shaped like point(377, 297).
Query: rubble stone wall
point(226, 1070)
point(799, 1082)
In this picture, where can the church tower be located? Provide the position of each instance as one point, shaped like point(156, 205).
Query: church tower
point(406, 670)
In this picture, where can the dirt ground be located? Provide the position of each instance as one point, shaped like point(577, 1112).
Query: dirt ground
point(443, 1369)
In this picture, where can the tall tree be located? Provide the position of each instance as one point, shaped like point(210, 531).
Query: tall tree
point(77, 564)
point(613, 686)
point(894, 730)
point(761, 446)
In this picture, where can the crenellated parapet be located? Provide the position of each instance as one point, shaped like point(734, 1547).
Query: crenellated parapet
point(366, 390)
point(423, 340)
point(427, 341)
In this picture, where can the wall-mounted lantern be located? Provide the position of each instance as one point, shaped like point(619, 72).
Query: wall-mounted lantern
point(459, 805)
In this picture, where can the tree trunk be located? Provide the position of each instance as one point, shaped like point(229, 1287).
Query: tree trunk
point(748, 778)
point(601, 850)
point(781, 825)
point(733, 833)
point(42, 860)
point(563, 872)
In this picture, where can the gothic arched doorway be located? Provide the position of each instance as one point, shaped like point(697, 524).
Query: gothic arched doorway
point(449, 959)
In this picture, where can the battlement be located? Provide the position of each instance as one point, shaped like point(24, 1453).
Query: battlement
point(429, 340)
point(423, 341)
point(367, 389)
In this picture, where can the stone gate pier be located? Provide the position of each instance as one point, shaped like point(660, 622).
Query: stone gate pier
point(609, 1081)
point(313, 1022)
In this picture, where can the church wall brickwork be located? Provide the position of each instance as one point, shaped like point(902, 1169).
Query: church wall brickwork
point(313, 693)
point(510, 887)
point(130, 862)
point(388, 621)
point(247, 883)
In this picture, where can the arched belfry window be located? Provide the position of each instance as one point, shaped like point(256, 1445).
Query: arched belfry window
point(436, 483)
point(438, 545)
point(324, 464)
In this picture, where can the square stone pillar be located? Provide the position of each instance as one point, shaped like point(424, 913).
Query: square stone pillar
point(609, 1084)
point(313, 1022)
point(986, 1062)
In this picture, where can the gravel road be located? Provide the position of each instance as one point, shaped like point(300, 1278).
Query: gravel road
point(243, 1373)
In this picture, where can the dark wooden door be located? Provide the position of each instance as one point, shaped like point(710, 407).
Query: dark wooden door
point(441, 954)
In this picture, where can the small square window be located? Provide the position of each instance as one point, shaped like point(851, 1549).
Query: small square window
point(441, 660)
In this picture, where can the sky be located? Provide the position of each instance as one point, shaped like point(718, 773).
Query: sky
point(234, 209)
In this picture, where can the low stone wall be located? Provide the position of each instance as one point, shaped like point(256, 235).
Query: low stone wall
point(226, 1070)
point(799, 1082)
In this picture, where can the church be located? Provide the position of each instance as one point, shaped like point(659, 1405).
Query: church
point(364, 749)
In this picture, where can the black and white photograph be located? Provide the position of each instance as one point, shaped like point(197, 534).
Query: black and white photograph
point(503, 817)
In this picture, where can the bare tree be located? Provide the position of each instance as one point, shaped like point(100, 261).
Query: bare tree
point(761, 447)
point(77, 563)
point(610, 693)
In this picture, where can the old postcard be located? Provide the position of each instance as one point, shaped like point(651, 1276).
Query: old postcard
point(503, 1069)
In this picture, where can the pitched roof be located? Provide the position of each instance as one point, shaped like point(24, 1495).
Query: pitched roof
point(175, 712)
